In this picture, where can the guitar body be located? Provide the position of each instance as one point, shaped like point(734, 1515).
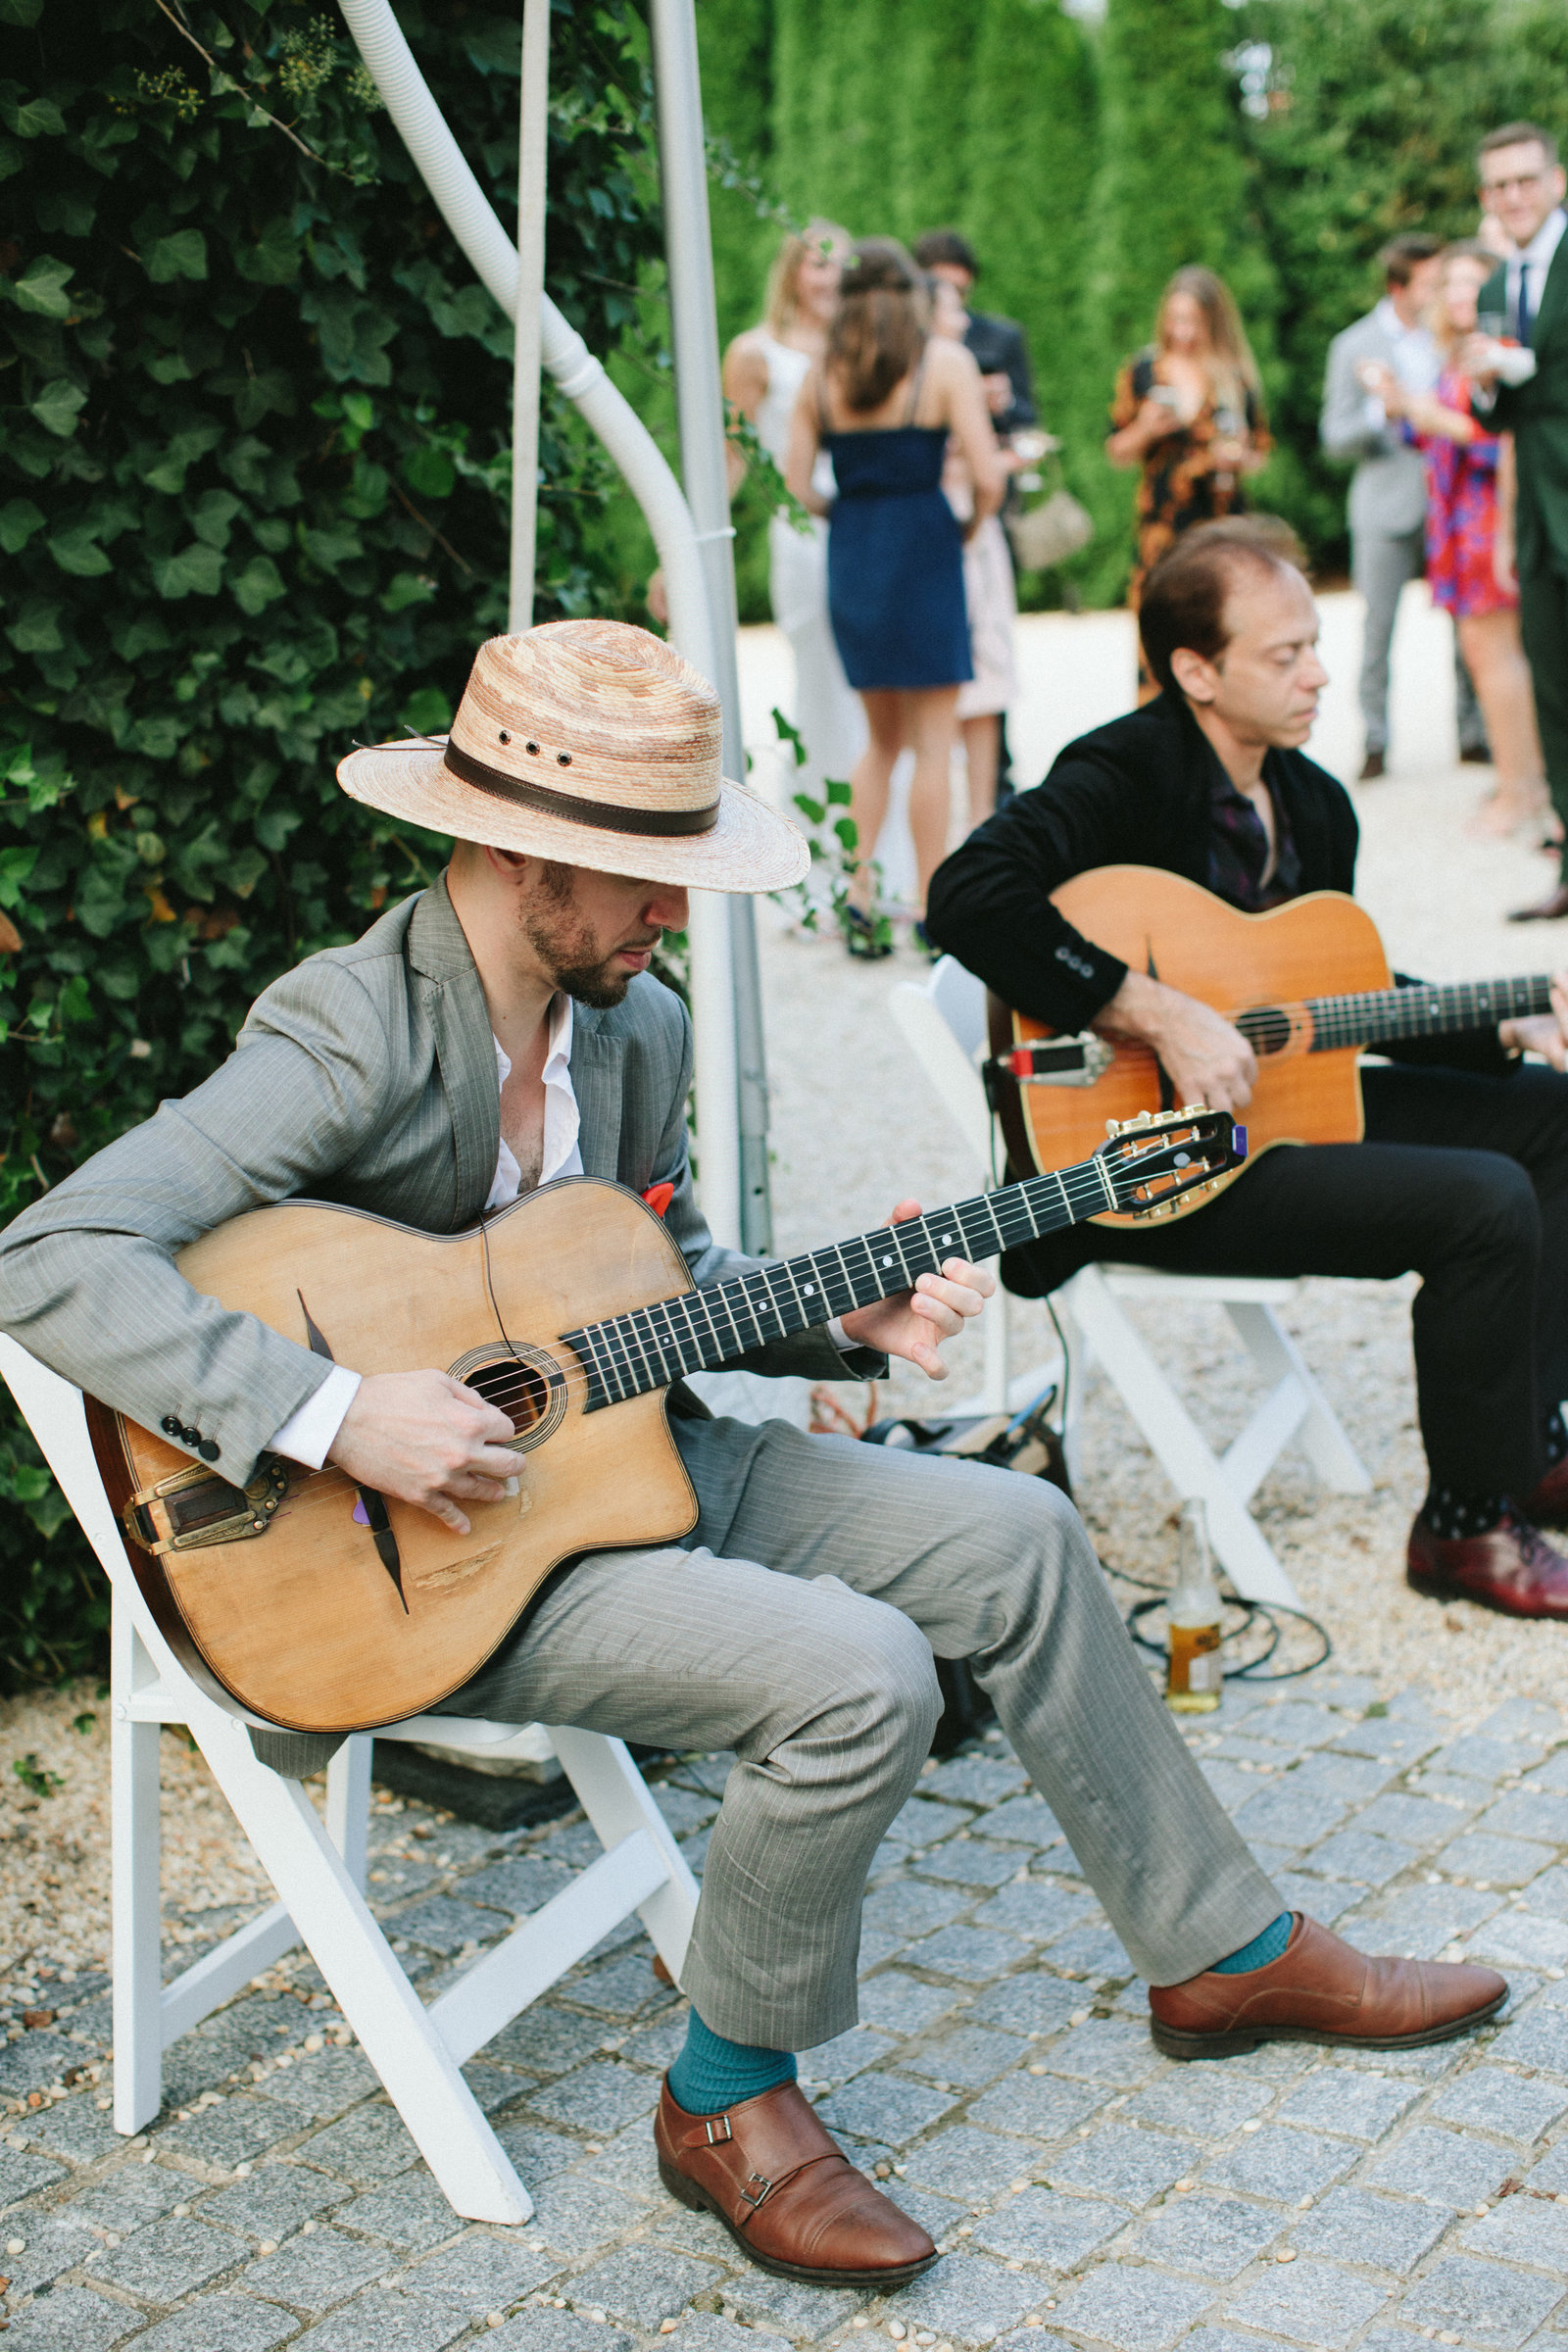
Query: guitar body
point(302, 1623)
point(1159, 923)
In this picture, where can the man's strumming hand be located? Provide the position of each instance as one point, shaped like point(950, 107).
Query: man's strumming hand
point(423, 1438)
point(1205, 1058)
point(914, 1323)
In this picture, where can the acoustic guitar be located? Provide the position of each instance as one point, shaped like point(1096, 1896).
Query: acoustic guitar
point(325, 1608)
point(1307, 985)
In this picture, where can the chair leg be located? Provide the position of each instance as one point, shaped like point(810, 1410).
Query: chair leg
point(421, 2077)
point(1077, 1357)
point(993, 1329)
point(135, 1901)
point(347, 1803)
point(616, 1798)
point(1319, 1434)
point(1177, 1443)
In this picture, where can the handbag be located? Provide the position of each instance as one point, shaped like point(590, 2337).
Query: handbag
point(1047, 534)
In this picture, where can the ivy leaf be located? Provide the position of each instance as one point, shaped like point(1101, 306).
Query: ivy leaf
point(259, 585)
point(407, 588)
point(18, 521)
point(196, 570)
point(15, 867)
point(57, 405)
point(211, 518)
point(274, 259)
point(245, 871)
point(430, 471)
point(36, 627)
point(182, 255)
point(40, 287)
point(21, 12)
point(76, 551)
point(32, 118)
point(428, 712)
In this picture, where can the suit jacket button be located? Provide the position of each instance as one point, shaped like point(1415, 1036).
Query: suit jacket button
point(169, 1425)
point(190, 1437)
point(208, 1449)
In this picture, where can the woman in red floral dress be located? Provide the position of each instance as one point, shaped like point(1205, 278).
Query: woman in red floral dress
point(1461, 459)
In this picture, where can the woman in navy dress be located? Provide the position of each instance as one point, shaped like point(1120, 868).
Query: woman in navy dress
point(882, 405)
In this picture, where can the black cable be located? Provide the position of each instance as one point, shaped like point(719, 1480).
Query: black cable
point(1252, 1612)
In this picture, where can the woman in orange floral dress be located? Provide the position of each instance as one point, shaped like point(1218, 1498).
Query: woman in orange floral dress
point(1188, 411)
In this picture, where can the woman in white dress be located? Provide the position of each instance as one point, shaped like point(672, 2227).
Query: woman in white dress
point(763, 371)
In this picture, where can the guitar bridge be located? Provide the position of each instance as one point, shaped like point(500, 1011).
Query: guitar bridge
point(194, 1507)
point(1080, 1060)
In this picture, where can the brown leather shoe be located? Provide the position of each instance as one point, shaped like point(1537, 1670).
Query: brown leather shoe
point(1547, 1505)
point(1510, 1568)
point(785, 2193)
point(1373, 766)
point(1550, 909)
point(1322, 1990)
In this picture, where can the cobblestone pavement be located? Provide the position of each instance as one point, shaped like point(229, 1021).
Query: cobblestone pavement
point(1085, 2191)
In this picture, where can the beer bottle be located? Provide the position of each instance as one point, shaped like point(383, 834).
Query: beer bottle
point(1195, 1679)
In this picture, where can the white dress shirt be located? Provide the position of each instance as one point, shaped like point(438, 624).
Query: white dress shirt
point(308, 1435)
point(1531, 263)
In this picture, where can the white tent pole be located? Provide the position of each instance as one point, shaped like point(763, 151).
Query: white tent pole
point(466, 212)
point(533, 146)
point(700, 406)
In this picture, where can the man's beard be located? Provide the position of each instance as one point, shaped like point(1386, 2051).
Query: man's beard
point(566, 947)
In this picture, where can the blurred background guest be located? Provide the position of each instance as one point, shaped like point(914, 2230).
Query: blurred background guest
point(1188, 411)
point(1389, 488)
point(764, 371)
point(882, 404)
point(1462, 466)
point(989, 591)
point(997, 344)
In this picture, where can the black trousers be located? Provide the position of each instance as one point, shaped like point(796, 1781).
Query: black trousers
point(1543, 626)
point(1462, 1179)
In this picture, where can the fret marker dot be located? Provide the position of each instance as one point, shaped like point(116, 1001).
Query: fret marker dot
point(947, 1237)
point(886, 1262)
point(810, 1290)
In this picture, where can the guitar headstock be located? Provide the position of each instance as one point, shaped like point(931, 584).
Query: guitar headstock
point(1152, 1160)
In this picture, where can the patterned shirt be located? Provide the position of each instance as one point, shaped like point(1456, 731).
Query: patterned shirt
point(1238, 847)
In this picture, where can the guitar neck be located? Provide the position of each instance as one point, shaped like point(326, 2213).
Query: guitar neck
point(1380, 1016)
point(697, 1331)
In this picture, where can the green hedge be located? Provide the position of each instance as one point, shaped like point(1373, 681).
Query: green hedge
point(254, 494)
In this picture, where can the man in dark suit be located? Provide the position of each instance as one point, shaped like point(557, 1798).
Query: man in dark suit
point(1463, 1173)
point(1524, 379)
point(1000, 350)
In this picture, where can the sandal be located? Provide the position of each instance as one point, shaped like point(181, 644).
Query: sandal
point(861, 938)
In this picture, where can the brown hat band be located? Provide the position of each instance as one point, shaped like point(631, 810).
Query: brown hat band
point(606, 817)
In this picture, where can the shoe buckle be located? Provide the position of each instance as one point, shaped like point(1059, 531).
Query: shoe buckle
point(718, 2130)
point(762, 2191)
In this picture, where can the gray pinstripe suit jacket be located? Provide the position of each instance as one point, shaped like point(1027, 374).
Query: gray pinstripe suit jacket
point(365, 1077)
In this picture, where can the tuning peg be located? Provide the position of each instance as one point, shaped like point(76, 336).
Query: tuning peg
point(1194, 1111)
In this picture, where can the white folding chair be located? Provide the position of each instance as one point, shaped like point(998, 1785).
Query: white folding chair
point(944, 1023)
point(318, 1874)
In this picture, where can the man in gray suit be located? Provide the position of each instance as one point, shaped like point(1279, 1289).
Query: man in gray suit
point(1389, 488)
point(502, 1030)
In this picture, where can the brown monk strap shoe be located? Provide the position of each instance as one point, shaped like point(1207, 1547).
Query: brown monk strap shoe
point(1547, 1505)
point(1512, 1567)
point(788, 2197)
point(1322, 1990)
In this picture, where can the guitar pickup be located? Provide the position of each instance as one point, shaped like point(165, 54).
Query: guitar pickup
point(194, 1508)
point(1079, 1060)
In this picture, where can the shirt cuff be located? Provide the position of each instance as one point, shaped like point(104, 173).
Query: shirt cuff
point(841, 1338)
point(309, 1434)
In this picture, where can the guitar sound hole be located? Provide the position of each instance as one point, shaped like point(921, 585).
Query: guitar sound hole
point(520, 1388)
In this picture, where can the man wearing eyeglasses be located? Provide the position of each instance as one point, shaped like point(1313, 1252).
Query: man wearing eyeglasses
point(1520, 361)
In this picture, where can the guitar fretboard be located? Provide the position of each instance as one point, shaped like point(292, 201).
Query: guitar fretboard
point(699, 1330)
point(1378, 1016)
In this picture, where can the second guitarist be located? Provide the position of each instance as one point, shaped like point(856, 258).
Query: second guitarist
point(1463, 1173)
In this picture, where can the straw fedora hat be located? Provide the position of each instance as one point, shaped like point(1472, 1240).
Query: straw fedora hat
point(589, 743)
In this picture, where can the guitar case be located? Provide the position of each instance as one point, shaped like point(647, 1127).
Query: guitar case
point(1026, 1443)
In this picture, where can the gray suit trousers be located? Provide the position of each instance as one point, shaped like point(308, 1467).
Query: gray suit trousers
point(798, 1629)
point(1381, 563)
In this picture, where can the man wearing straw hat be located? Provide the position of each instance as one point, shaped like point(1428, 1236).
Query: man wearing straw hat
point(499, 1030)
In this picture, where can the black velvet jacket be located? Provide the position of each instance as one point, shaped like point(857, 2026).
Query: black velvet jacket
point(1137, 792)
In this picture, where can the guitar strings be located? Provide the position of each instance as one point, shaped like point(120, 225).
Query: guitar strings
point(1081, 1193)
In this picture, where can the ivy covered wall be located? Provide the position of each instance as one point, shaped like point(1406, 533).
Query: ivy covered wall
point(254, 493)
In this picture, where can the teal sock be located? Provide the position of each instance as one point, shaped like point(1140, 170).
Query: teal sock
point(1260, 1951)
point(713, 2073)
